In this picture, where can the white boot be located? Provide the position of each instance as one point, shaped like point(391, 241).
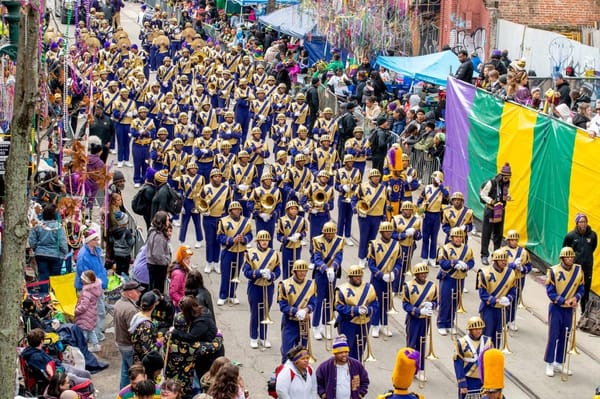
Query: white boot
point(421, 376)
point(254, 343)
point(375, 331)
point(349, 242)
point(317, 333)
point(443, 331)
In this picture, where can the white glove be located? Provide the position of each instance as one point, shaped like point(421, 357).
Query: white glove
point(426, 312)
point(165, 84)
point(316, 137)
point(279, 105)
point(504, 301)
point(362, 215)
point(262, 117)
point(314, 211)
point(463, 227)
point(243, 187)
point(330, 274)
point(410, 232)
point(301, 314)
point(386, 277)
point(306, 151)
point(296, 236)
point(346, 187)
point(284, 139)
point(311, 266)
point(267, 217)
point(293, 238)
point(363, 310)
point(409, 179)
point(392, 276)
point(436, 180)
point(266, 273)
point(427, 305)
point(129, 114)
point(296, 114)
point(205, 213)
point(204, 151)
point(518, 262)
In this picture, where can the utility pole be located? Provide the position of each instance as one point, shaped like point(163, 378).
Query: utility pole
point(16, 226)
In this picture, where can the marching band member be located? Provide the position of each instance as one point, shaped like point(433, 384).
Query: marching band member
point(123, 111)
point(280, 100)
point(186, 132)
point(405, 369)
point(234, 232)
point(372, 198)
point(142, 130)
point(176, 159)
point(245, 70)
point(430, 202)
point(243, 96)
point(325, 157)
point(347, 180)
point(496, 285)
point(296, 299)
point(318, 201)
point(279, 169)
point(298, 110)
point(191, 184)
point(326, 256)
point(412, 182)
point(419, 300)
point(204, 149)
point(356, 302)
point(217, 194)
point(565, 288)
point(225, 86)
point(394, 180)
point(153, 98)
point(266, 214)
point(467, 350)
point(243, 180)
point(182, 90)
point(291, 230)
point(207, 117)
point(407, 229)
point(326, 124)
point(385, 262)
point(359, 147)
point(262, 267)
point(455, 260)
point(519, 261)
point(258, 150)
point(270, 89)
point(260, 107)
point(109, 96)
point(159, 148)
point(259, 78)
point(302, 144)
point(297, 178)
point(281, 133)
point(230, 131)
point(165, 75)
point(224, 160)
point(457, 215)
point(168, 113)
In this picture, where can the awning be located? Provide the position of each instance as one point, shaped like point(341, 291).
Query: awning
point(432, 68)
point(292, 21)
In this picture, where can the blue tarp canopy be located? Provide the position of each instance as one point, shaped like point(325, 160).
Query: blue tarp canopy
point(245, 3)
point(292, 21)
point(432, 68)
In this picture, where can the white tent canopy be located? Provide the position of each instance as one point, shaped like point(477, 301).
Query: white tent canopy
point(293, 21)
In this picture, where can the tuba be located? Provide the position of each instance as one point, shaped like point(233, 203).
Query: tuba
point(201, 205)
point(212, 88)
point(319, 198)
point(362, 207)
point(267, 202)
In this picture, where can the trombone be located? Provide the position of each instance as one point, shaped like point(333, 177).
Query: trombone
point(570, 347)
point(388, 300)
point(234, 270)
point(362, 207)
point(459, 292)
point(521, 305)
point(266, 311)
point(305, 335)
point(329, 324)
point(503, 335)
point(426, 342)
point(360, 344)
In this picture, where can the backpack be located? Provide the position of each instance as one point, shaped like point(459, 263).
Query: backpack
point(175, 203)
point(272, 383)
point(139, 205)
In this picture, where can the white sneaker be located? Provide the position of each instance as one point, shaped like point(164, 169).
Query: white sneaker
point(375, 331)
point(513, 326)
point(465, 290)
point(387, 331)
point(129, 164)
point(216, 267)
point(120, 165)
point(317, 333)
point(349, 242)
point(235, 301)
point(137, 185)
point(266, 343)
point(198, 244)
point(430, 262)
point(94, 348)
point(113, 151)
point(362, 262)
point(254, 343)
point(549, 369)
point(443, 331)
point(176, 223)
point(303, 242)
point(208, 268)
point(421, 376)
point(221, 302)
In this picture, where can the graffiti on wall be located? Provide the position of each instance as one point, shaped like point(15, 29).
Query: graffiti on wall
point(429, 37)
point(470, 40)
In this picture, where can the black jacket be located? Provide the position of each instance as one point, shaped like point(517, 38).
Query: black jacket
point(584, 246)
point(565, 93)
point(465, 71)
point(312, 99)
point(202, 329)
point(160, 199)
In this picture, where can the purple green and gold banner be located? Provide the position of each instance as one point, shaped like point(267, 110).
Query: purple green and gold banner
point(555, 168)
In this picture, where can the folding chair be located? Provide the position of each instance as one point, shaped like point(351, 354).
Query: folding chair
point(63, 291)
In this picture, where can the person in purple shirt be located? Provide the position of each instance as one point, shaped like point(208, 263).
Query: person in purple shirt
point(341, 372)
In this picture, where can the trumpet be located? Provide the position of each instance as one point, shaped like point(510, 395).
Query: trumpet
point(267, 202)
point(319, 198)
point(503, 335)
point(305, 334)
point(362, 207)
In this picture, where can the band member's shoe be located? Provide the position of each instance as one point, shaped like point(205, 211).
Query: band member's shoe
point(375, 331)
point(254, 343)
point(421, 376)
point(549, 369)
point(221, 302)
point(443, 331)
point(235, 301)
point(513, 326)
point(208, 268)
point(216, 267)
point(266, 343)
point(349, 242)
point(485, 261)
point(317, 333)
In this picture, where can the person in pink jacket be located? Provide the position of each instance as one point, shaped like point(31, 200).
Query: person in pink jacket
point(86, 315)
point(177, 273)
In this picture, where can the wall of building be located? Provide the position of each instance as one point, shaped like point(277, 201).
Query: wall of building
point(465, 25)
point(553, 15)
